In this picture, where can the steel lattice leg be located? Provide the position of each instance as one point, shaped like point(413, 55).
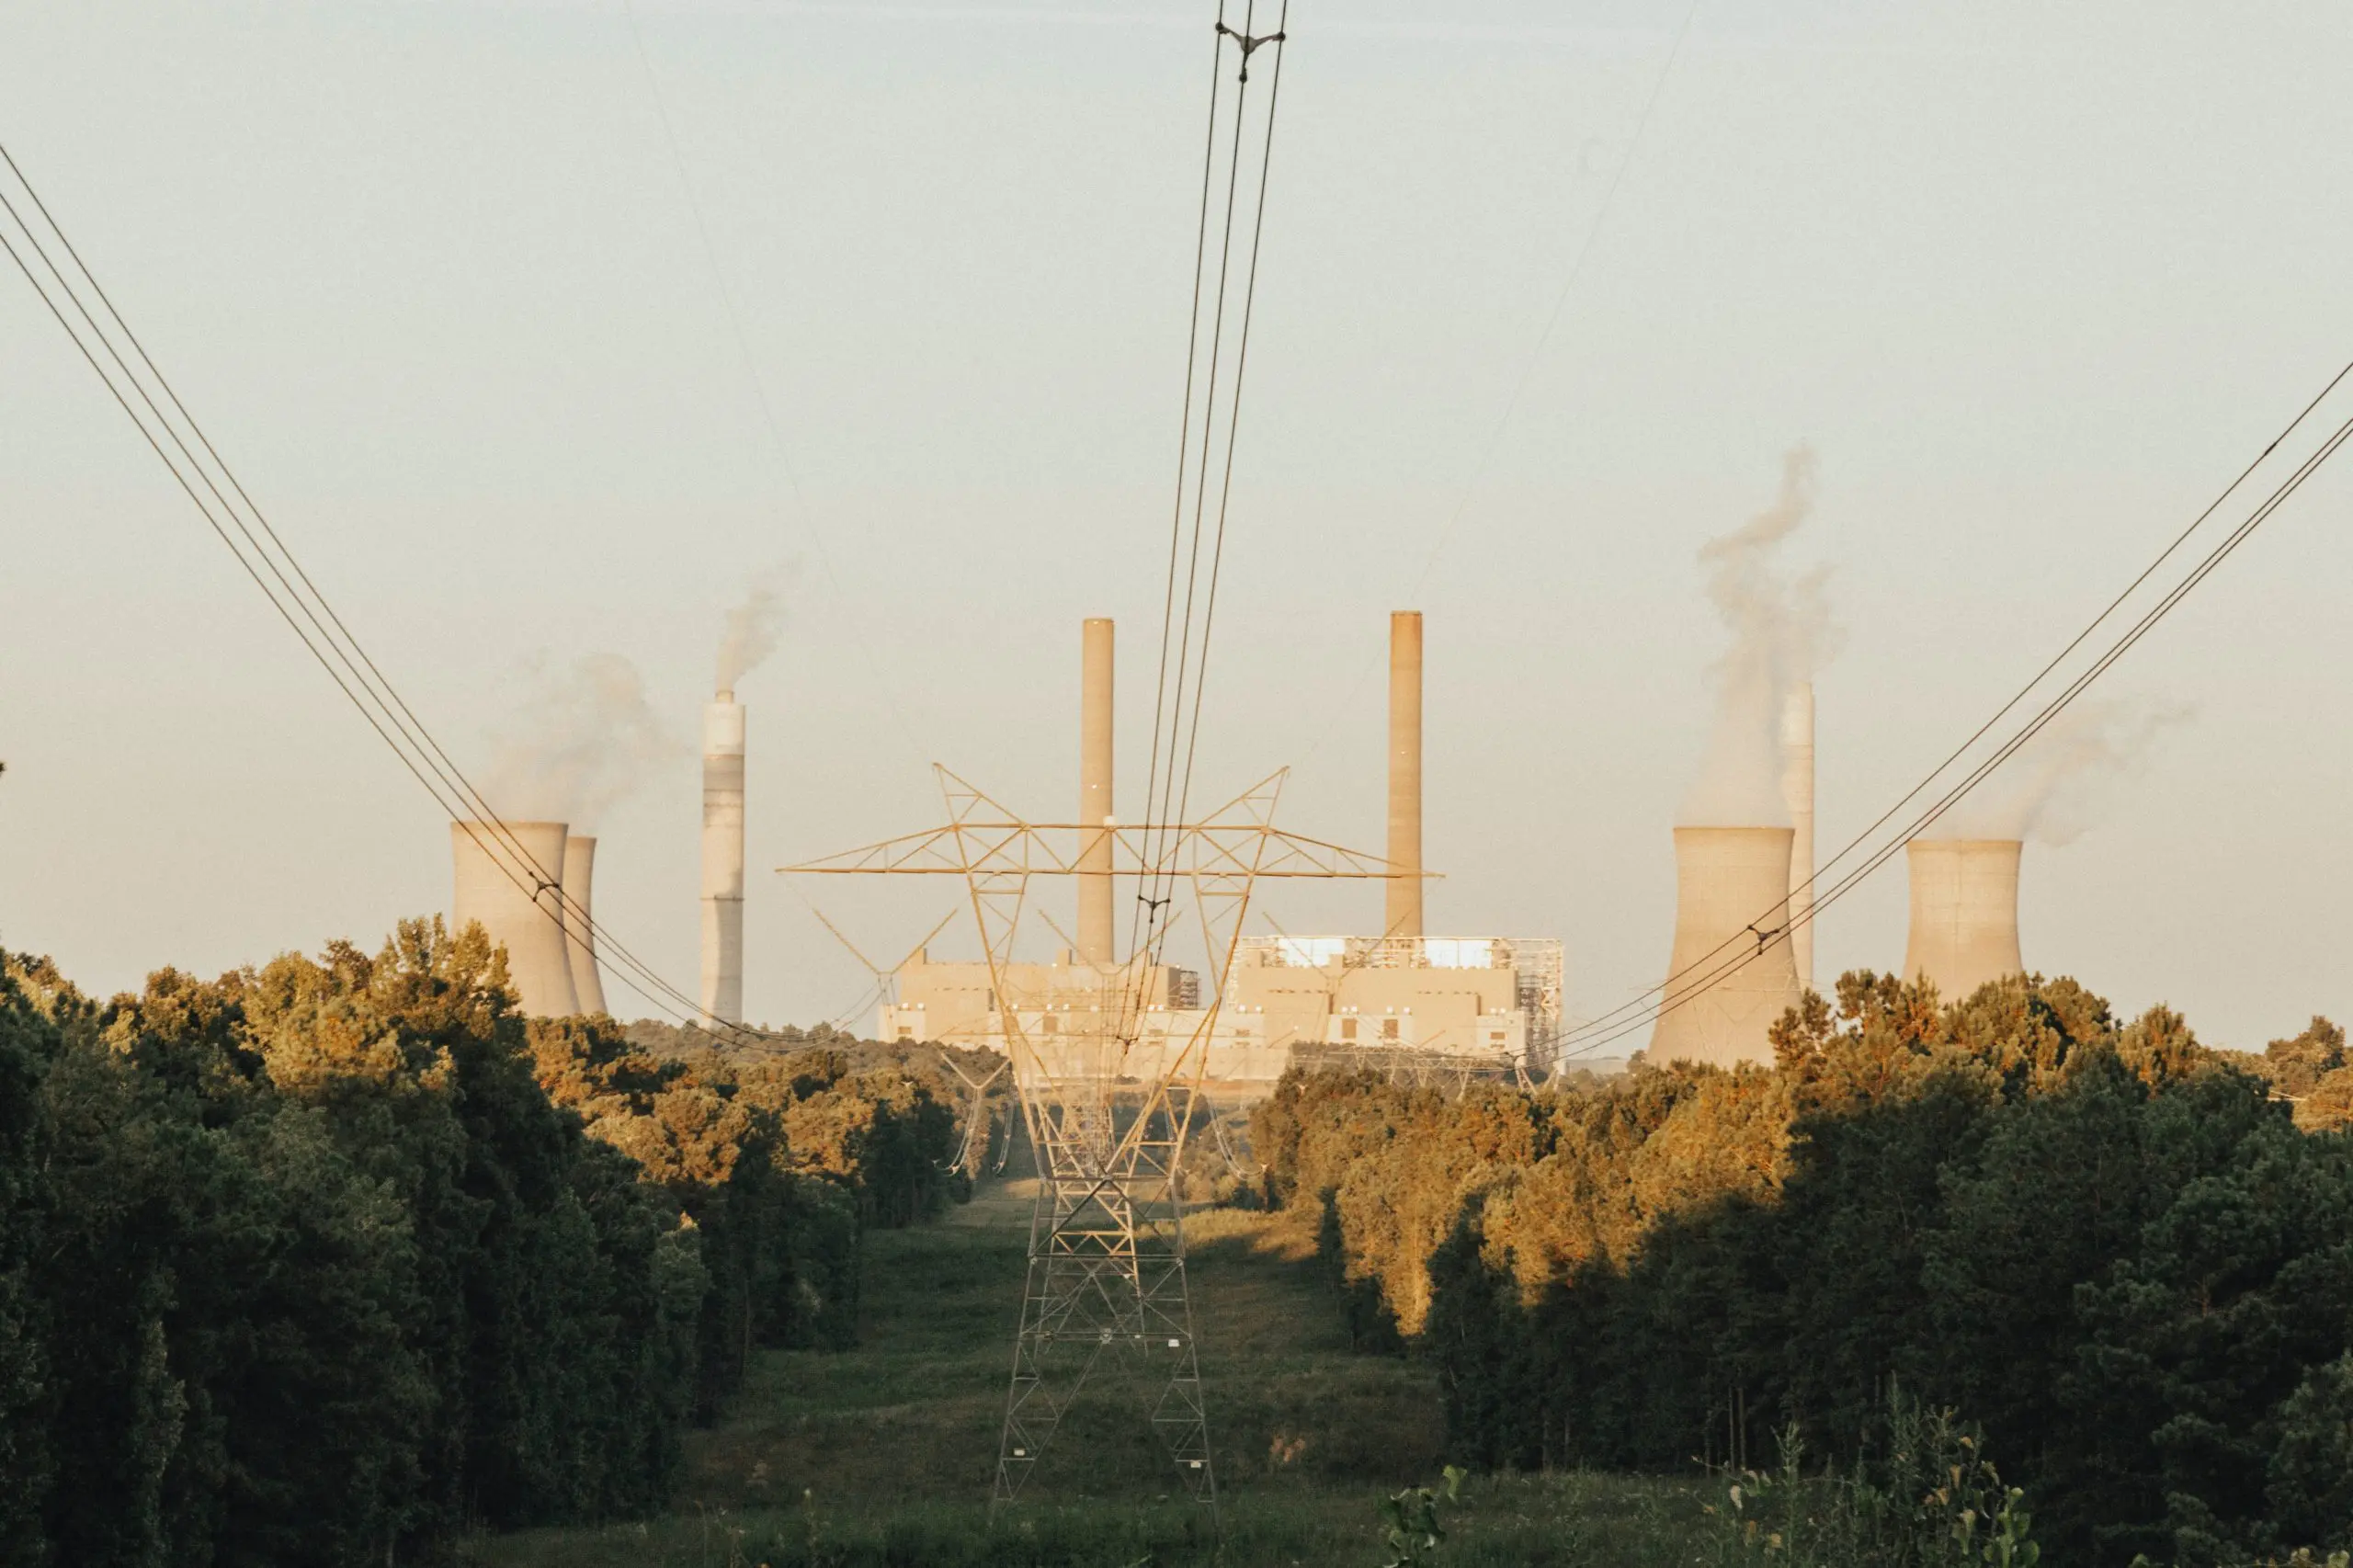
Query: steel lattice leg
point(1103, 1276)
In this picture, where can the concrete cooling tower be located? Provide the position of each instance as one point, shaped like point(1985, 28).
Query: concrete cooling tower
point(1964, 913)
point(579, 923)
point(520, 906)
point(1732, 897)
point(722, 860)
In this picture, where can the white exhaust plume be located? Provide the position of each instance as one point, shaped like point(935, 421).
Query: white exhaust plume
point(1781, 636)
point(2056, 785)
point(751, 629)
point(582, 738)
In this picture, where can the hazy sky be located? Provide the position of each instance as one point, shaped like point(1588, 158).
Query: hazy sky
point(2033, 281)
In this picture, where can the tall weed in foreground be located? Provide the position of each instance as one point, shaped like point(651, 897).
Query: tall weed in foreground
point(1930, 1499)
point(1416, 1532)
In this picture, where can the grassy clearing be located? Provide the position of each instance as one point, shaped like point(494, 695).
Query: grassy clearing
point(884, 1454)
point(1556, 1522)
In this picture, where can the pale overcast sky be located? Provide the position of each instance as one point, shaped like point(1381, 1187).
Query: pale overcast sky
point(2033, 281)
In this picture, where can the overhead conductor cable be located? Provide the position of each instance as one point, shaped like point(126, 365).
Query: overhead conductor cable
point(1698, 975)
point(240, 524)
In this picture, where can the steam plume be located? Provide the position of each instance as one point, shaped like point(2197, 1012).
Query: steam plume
point(2057, 784)
point(1781, 636)
point(751, 631)
point(582, 737)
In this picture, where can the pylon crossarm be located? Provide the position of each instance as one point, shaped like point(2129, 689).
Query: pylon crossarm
point(1037, 849)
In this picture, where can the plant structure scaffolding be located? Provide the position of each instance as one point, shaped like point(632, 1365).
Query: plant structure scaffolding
point(1109, 1098)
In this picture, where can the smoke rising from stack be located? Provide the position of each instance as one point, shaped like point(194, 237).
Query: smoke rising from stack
point(582, 738)
point(1782, 634)
point(2058, 784)
point(749, 633)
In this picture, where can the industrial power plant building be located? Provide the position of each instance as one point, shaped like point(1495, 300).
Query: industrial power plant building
point(1741, 952)
point(1475, 1001)
point(1471, 1001)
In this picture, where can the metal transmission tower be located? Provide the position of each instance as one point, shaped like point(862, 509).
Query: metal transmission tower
point(1108, 1098)
point(1108, 1090)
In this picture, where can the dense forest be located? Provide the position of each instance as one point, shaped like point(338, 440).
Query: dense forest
point(329, 1260)
point(2125, 1257)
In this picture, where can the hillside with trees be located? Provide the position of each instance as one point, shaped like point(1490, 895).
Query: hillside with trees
point(329, 1260)
point(2126, 1257)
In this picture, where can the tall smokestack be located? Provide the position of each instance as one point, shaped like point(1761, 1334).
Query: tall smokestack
point(722, 860)
point(1964, 913)
point(1730, 975)
point(579, 927)
point(1096, 940)
point(520, 906)
point(1404, 884)
point(1797, 791)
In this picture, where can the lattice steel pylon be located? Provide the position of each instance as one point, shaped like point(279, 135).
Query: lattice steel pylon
point(1107, 1241)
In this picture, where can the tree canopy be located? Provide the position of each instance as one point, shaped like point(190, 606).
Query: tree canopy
point(325, 1260)
point(2126, 1256)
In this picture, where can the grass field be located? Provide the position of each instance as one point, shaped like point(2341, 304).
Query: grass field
point(884, 1454)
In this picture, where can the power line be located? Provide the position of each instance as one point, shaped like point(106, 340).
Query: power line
point(240, 524)
point(1678, 988)
point(1233, 420)
point(1681, 988)
point(1184, 454)
point(1163, 785)
point(1180, 683)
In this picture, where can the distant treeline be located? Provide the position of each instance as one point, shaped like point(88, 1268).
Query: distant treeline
point(2111, 1248)
point(325, 1261)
